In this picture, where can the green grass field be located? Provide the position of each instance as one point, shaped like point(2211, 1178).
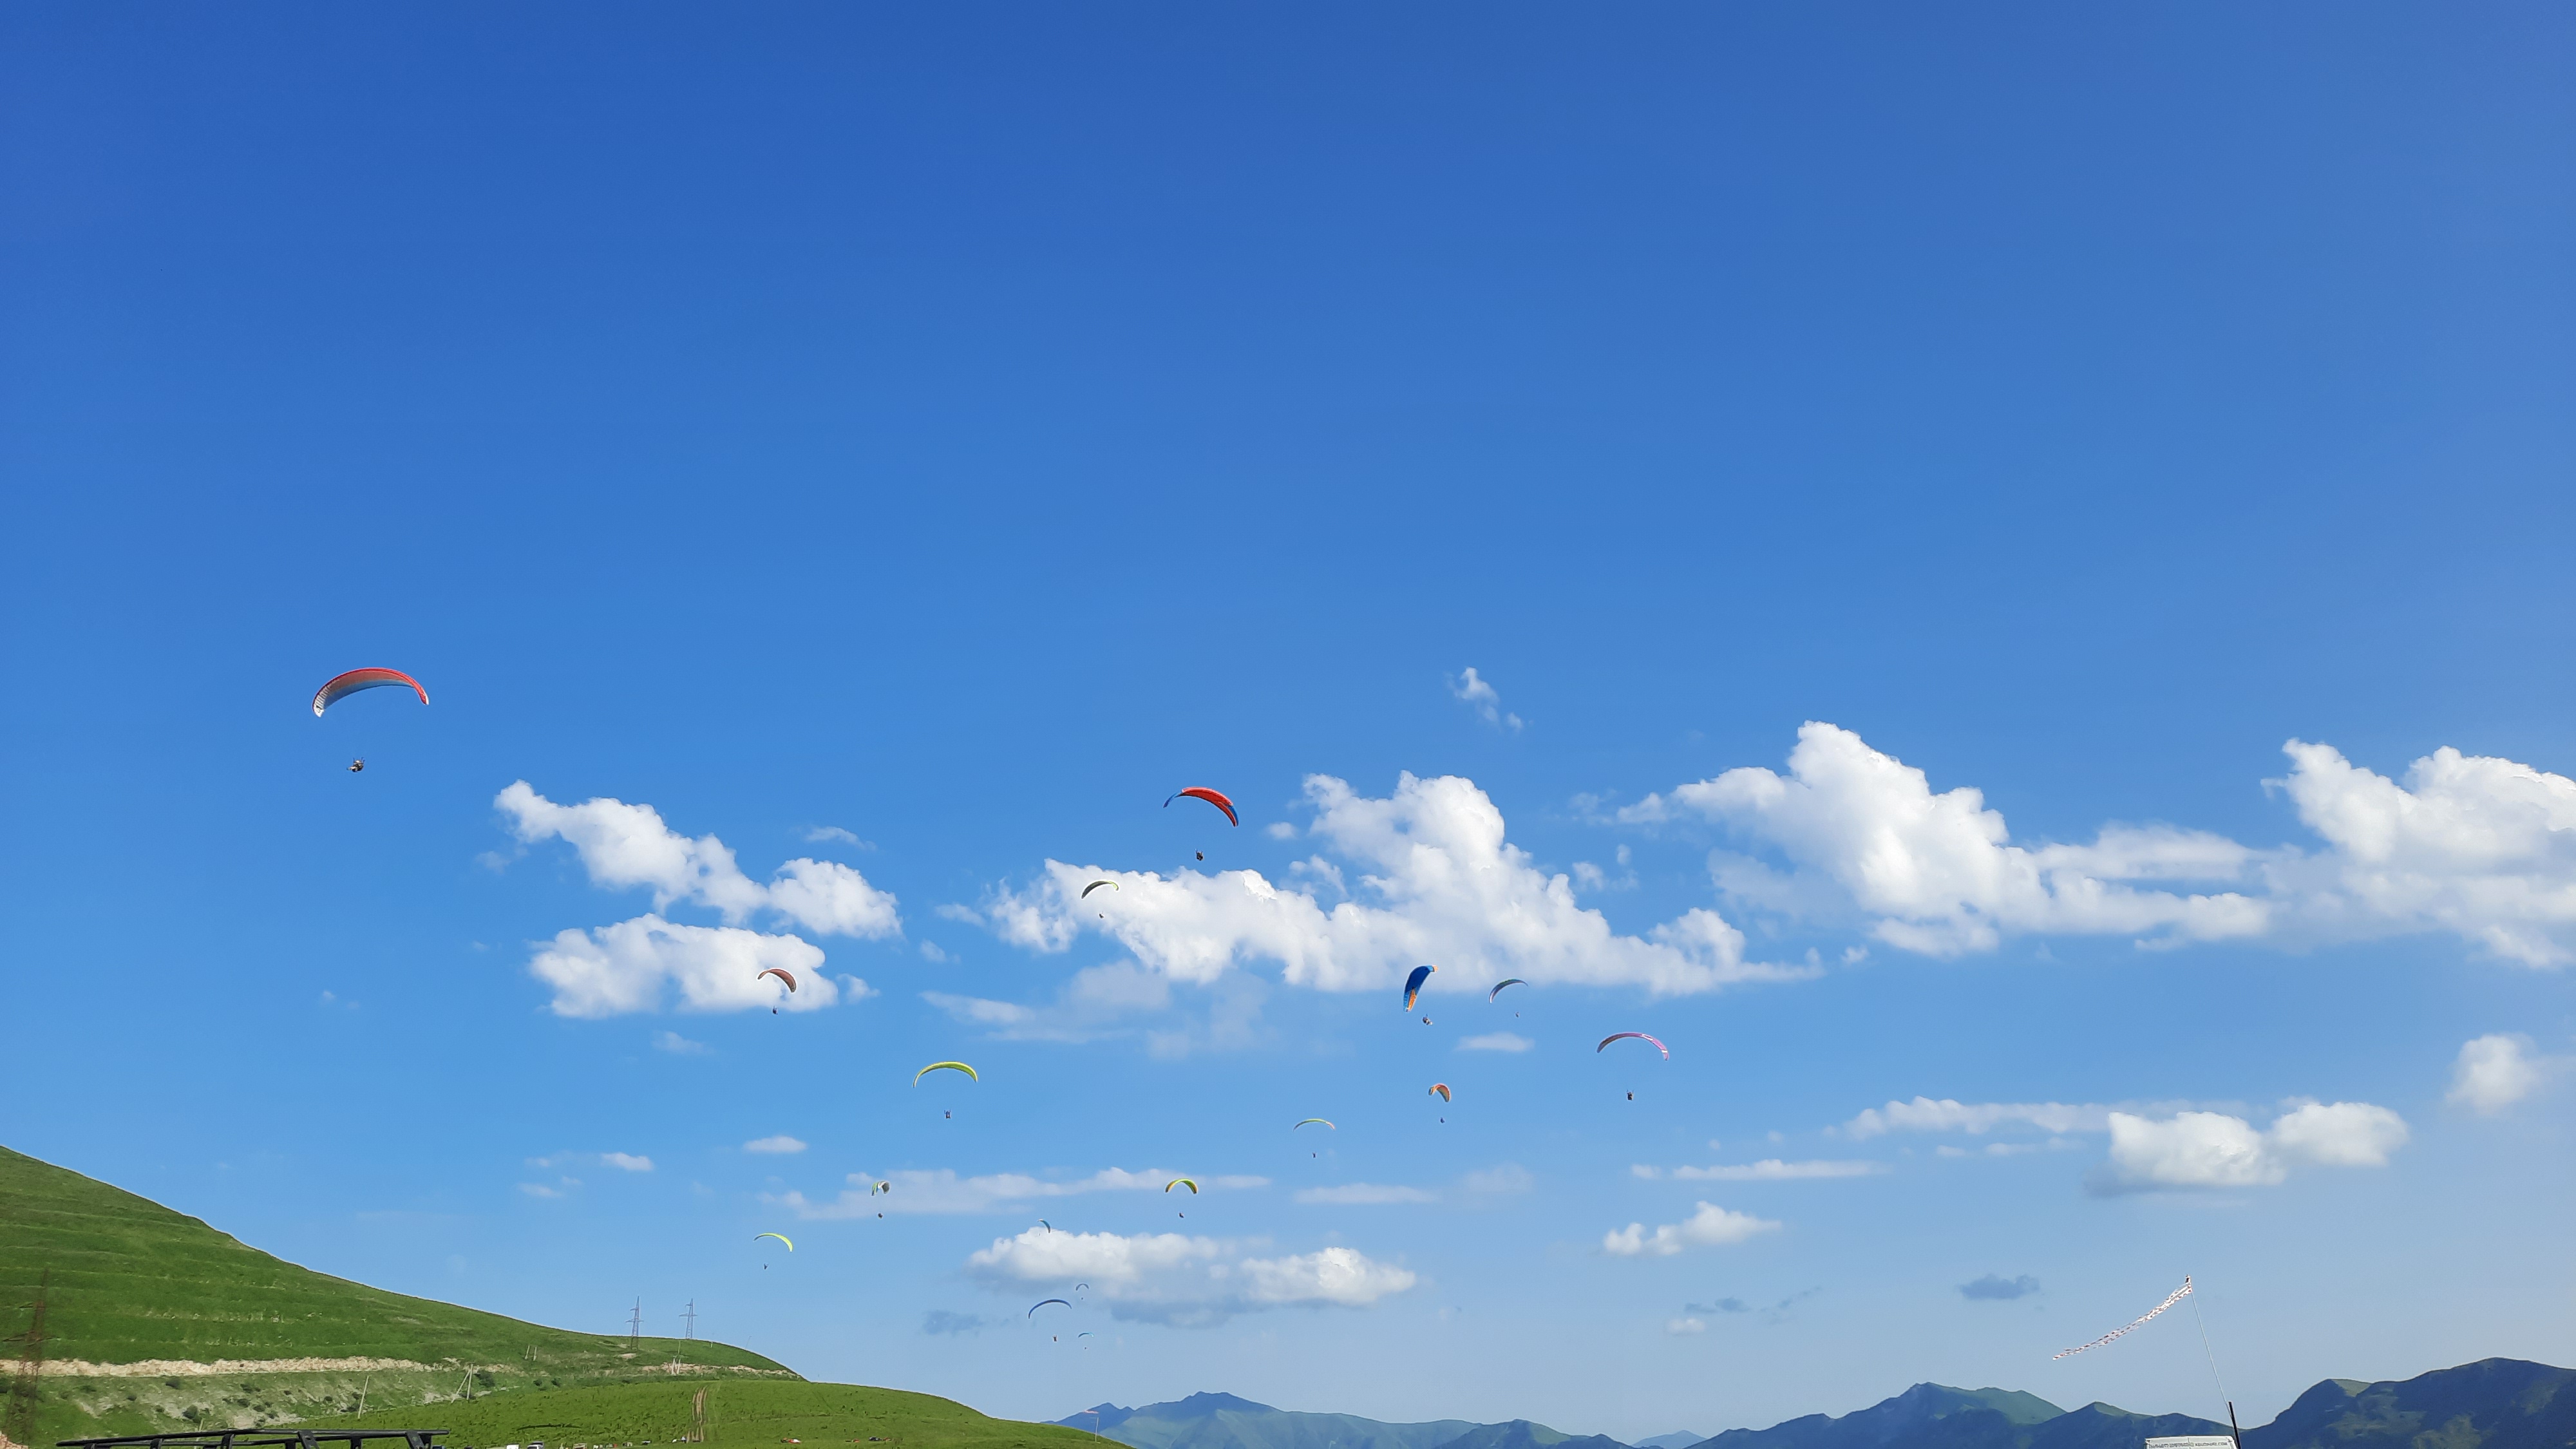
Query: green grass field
point(739, 1412)
point(133, 1281)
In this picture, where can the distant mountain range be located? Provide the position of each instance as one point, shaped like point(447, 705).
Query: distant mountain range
point(2496, 1403)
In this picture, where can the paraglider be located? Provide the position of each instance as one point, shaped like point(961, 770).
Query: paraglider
point(1440, 1090)
point(948, 1066)
point(782, 1237)
point(1095, 885)
point(341, 686)
point(1499, 985)
point(356, 765)
point(1050, 1227)
point(1043, 1302)
point(1313, 1120)
point(1191, 1183)
point(1213, 797)
point(877, 1187)
point(783, 974)
point(1640, 1036)
point(1413, 986)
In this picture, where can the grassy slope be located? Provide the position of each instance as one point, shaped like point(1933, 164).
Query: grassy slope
point(133, 1280)
point(741, 1412)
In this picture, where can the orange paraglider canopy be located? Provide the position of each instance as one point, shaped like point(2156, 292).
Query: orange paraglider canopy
point(1213, 797)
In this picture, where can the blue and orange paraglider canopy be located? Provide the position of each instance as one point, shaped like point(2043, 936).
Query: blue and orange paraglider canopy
point(1413, 984)
point(1213, 797)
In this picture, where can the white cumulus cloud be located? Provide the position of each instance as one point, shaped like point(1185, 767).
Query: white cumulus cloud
point(2215, 1150)
point(1181, 1280)
point(1710, 1227)
point(2475, 846)
point(1437, 881)
point(1939, 872)
point(626, 967)
point(626, 1161)
point(623, 846)
point(1496, 1041)
point(2481, 847)
point(1682, 1327)
point(2494, 1072)
point(780, 1145)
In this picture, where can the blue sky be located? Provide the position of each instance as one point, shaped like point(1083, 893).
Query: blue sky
point(915, 444)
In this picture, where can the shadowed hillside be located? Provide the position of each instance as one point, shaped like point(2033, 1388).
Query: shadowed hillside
point(1926, 1416)
point(1222, 1421)
point(1522, 1434)
point(2495, 1403)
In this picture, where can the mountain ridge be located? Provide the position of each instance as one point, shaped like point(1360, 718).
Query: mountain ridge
point(2489, 1404)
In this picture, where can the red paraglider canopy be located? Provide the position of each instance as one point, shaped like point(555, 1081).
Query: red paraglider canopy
point(783, 974)
point(344, 685)
point(1213, 797)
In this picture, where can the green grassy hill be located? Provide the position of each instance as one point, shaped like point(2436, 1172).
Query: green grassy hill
point(135, 1283)
point(133, 1280)
point(739, 1412)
